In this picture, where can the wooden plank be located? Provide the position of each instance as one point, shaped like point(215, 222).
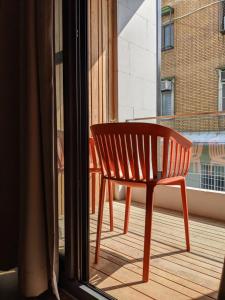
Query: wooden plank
point(155, 276)
point(209, 277)
point(136, 255)
point(179, 255)
point(203, 272)
point(127, 277)
point(203, 241)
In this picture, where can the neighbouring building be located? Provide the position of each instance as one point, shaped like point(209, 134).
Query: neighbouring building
point(193, 81)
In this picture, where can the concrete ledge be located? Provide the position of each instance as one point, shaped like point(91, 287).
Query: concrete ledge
point(203, 203)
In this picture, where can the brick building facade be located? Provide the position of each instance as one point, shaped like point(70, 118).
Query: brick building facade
point(194, 62)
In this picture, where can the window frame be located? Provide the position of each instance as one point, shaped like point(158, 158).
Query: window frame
point(220, 91)
point(172, 97)
point(74, 272)
point(171, 46)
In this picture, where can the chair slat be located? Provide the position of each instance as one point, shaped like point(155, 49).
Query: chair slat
point(135, 156)
point(188, 162)
point(154, 149)
point(105, 149)
point(115, 157)
point(176, 159)
point(147, 156)
point(170, 172)
point(101, 152)
point(125, 158)
point(141, 155)
point(118, 149)
point(165, 156)
point(181, 161)
point(110, 153)
point(130, 154)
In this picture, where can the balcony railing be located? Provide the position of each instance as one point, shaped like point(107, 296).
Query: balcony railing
point(207, 132)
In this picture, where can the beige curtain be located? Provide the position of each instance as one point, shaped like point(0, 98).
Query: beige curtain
point(38, 243)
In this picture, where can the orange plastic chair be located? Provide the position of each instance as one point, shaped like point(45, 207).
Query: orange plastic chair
point(128, 154)
point(95, 169)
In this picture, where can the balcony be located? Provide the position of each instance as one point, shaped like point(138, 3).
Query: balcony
point(174, 273)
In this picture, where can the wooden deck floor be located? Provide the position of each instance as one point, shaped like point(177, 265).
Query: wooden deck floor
point(174, 273)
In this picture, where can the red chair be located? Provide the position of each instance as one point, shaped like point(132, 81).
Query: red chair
point(95, 169)
point(128, 154)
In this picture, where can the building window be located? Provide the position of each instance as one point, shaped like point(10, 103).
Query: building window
point(213, 177)
point(221, 90)
point(167, 98)
point(167, 36)
point(222, 21)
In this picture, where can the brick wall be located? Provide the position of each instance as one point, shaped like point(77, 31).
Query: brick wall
point(199, 50)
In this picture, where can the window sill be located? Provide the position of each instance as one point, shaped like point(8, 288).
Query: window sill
point(167, 48)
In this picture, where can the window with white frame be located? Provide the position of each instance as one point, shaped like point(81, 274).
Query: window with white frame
point(221, 90)
point(212, 177)
point(167, 97)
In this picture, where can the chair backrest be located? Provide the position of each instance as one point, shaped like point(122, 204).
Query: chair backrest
point(130, 151)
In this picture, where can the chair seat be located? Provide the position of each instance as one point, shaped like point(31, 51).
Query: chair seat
point(154, 182)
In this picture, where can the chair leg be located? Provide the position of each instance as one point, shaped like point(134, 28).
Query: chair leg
point(100, 218)
point(110, 204)
point(185, 213)
point(148, 230)
point(93, 187)
point(127, 210)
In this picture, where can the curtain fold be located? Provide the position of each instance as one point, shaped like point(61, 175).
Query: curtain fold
point(38, 253)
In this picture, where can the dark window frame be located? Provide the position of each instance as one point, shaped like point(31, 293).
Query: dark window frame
point(222, 17)
point(74, 264)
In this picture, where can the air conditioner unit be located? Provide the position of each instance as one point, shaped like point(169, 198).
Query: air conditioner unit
point(166, 85)
point(223, 75)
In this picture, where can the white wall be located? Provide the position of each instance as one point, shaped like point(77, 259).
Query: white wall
point(136, 58)
point(205, 203)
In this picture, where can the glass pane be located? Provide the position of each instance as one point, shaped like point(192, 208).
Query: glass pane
point(191, 65)
point(167, 104)
point(171, 35)
point(167, 36)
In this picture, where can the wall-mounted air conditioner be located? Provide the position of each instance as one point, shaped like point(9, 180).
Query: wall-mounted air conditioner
point(166, 85)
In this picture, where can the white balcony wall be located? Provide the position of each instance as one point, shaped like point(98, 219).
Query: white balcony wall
point(204, 203)
point(136, 58)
